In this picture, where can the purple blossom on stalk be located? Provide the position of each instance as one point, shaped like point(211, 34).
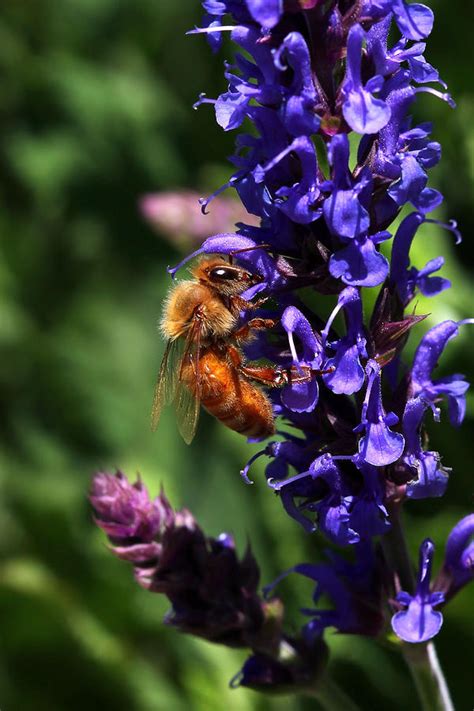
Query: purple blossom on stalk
point(319, 71)
point(419, 622)
point(458, 566)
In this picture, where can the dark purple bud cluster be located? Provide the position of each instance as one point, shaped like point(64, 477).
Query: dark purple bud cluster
point(333, 158)
point(213, 594)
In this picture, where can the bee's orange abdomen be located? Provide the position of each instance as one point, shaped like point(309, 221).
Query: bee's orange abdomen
point(232, 399)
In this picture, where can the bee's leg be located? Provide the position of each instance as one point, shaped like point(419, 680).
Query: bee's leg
point(262, 374)
point(266, 375)
point(255, 324)
point(237, 303)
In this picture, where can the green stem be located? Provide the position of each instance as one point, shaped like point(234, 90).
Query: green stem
point(421, 659)
point(427, 674)
point(332, 697)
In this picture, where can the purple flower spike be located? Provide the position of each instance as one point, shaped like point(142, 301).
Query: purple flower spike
point(362, 111)
point(379, 446)
point(419, 622)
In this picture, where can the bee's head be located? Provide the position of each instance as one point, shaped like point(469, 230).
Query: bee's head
point(227, 279)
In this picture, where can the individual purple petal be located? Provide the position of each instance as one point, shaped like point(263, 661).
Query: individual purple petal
point(344, 214)
point(230, 110)
point(412, 187)
point(419, 622)
point(244, 248)
point(266, 12)
point(429, 285)
point(348, 376)
point(343, 210)
point(300, 397)
point(429, 351)
point(359, 264)
point(415, 21)
point(362, 111)
point(335, 522)
point(296, 324)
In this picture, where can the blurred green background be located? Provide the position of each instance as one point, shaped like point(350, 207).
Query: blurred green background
point(95, 110)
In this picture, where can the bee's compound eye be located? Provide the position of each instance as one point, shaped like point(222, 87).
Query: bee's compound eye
point(225, 274)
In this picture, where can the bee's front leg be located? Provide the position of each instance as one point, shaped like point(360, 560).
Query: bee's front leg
point(255, 324)
point(237, 303)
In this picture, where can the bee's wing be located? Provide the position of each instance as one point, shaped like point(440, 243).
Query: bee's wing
point(167, 381)
point(186, 400)
point(170, 387)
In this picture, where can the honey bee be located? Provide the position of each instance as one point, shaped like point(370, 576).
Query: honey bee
point(203, 363)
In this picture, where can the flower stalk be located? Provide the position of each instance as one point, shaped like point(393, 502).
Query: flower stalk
point(426, 671)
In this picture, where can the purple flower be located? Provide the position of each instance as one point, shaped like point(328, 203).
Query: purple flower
point(301, 396)
point(419, 622)
point(299, 108)
point(458, 566)
point(298, 201)
point(407, 279)
point(348, 376)
point(344, 210)
point(431, 479)
point(379, 445)
point(362, 111)
point(368, 514)
point(426, 358)
point(355, 589)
